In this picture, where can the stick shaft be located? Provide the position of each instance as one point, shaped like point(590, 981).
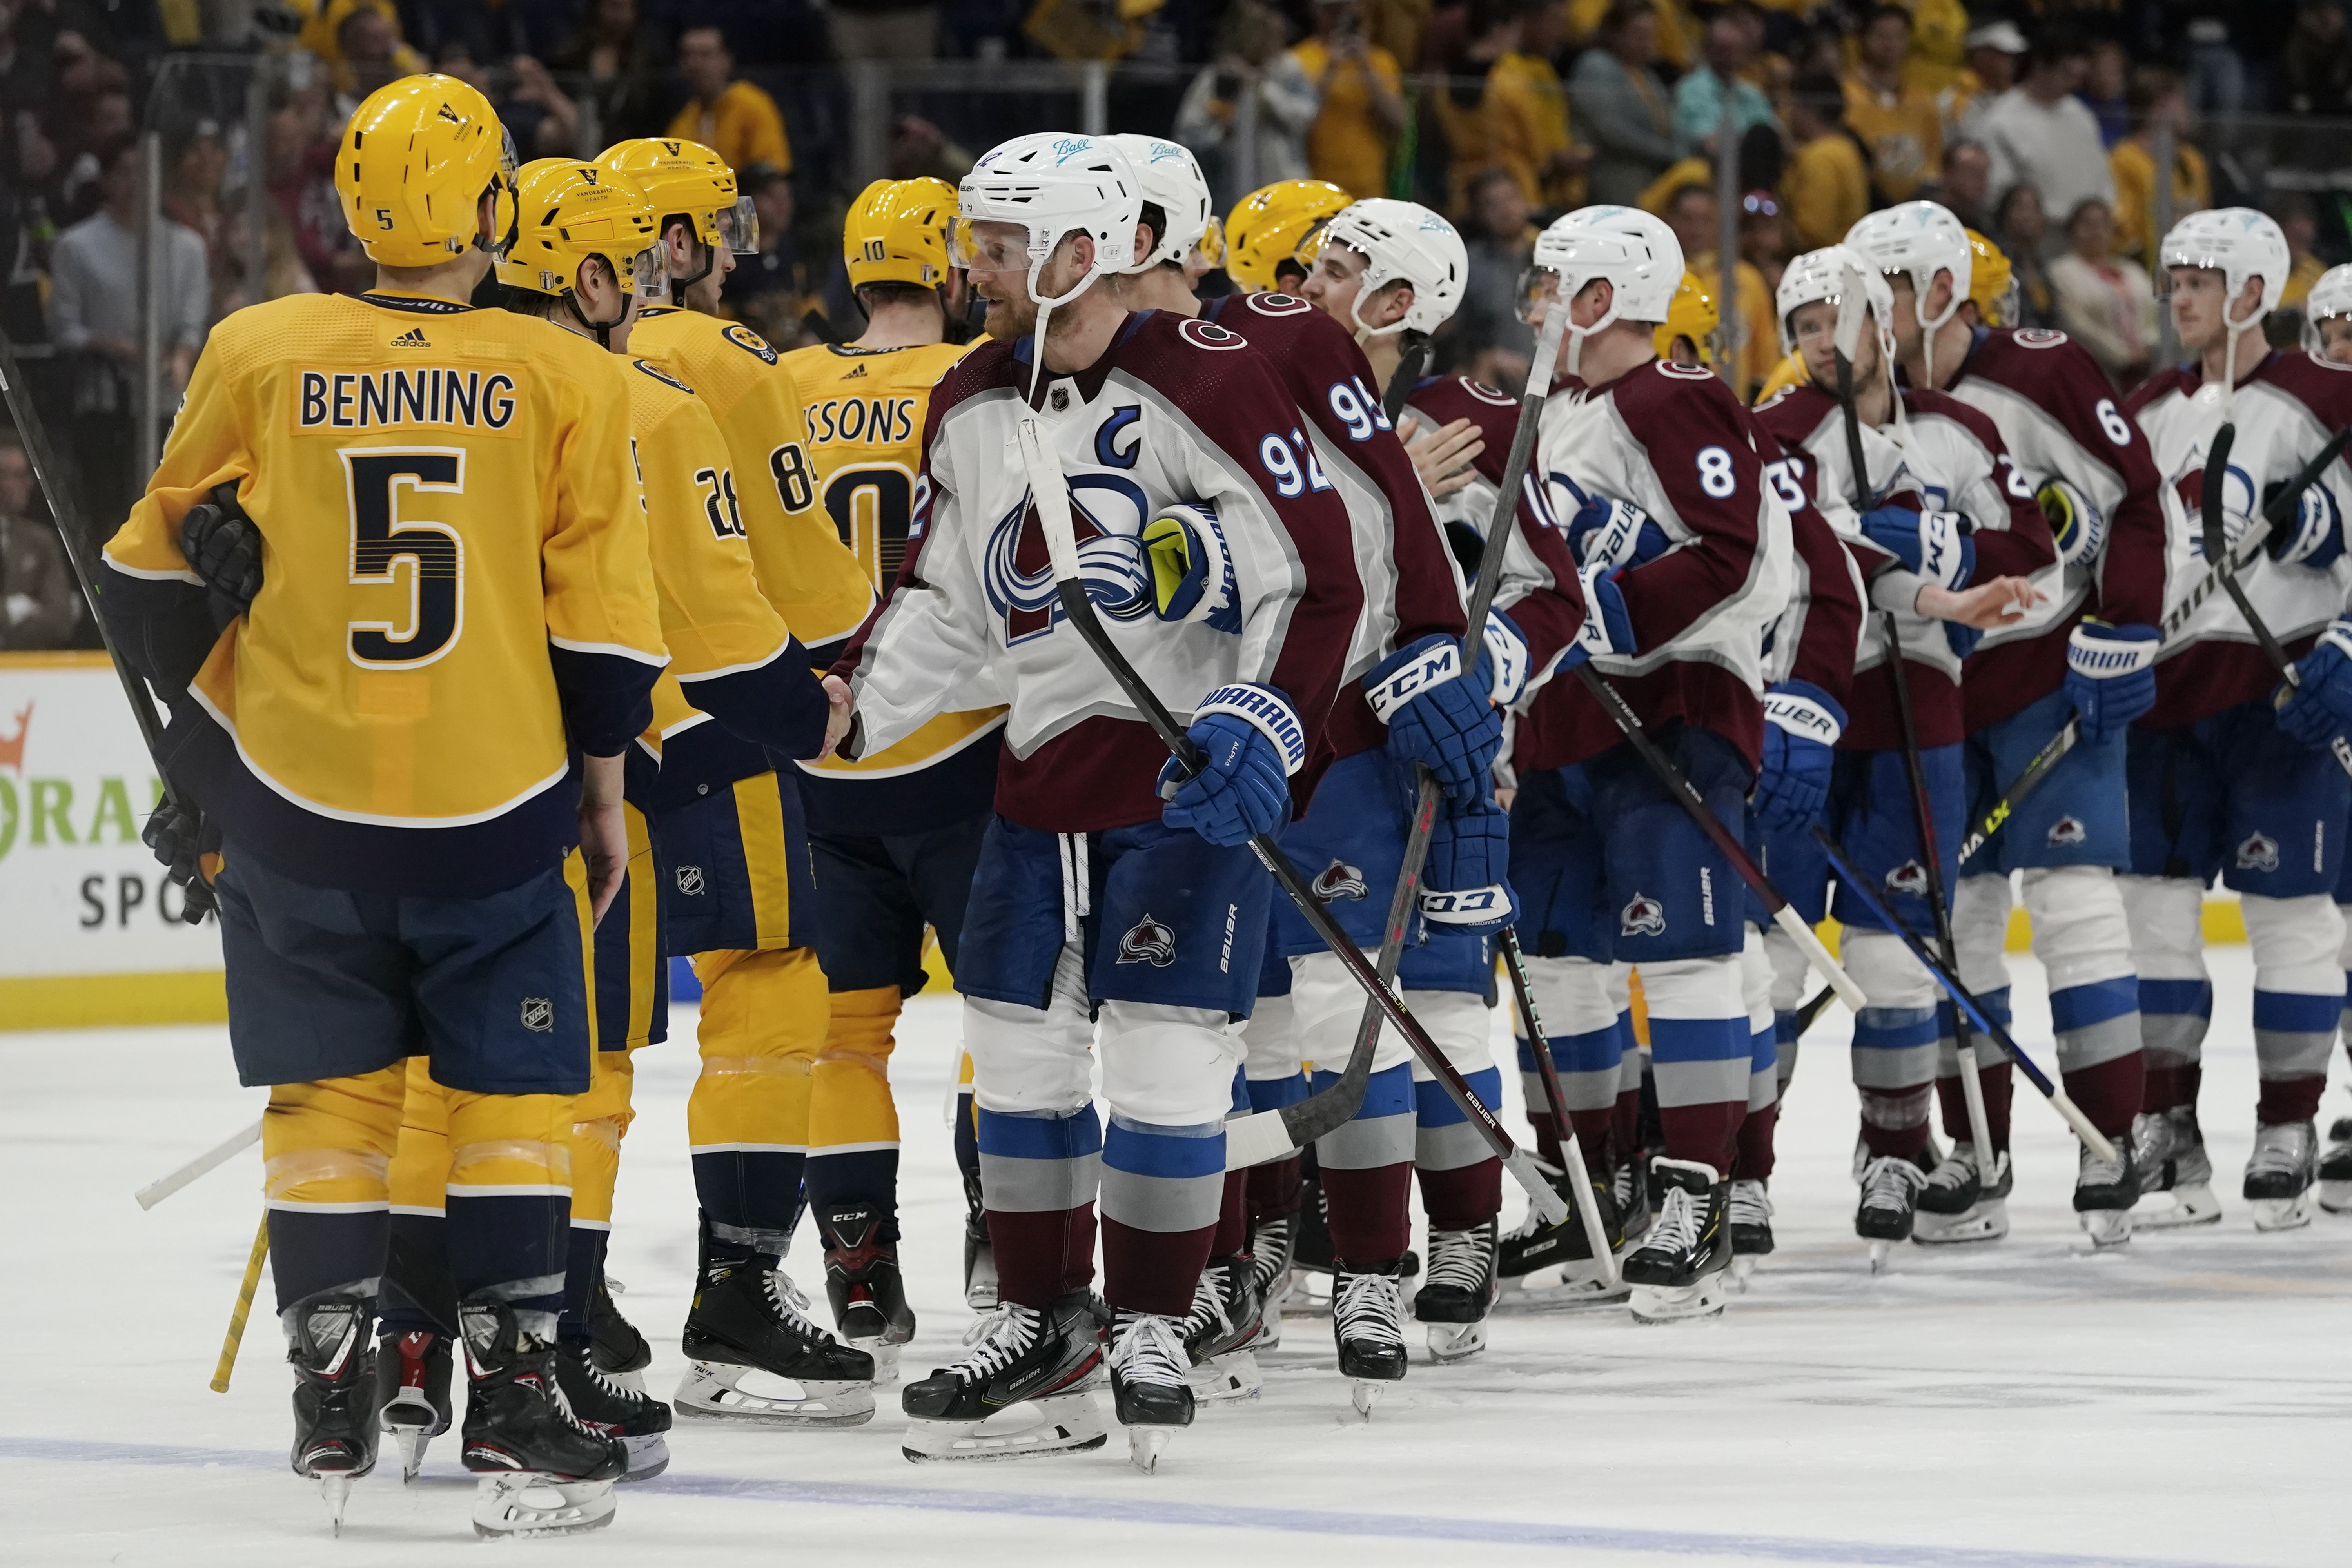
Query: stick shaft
point(1572, 1151)
point(211, 1159)
point(236, 1316)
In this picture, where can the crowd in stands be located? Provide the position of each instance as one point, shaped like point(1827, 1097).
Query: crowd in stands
point(2042, 122)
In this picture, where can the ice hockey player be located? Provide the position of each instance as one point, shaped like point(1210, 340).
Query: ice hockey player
point(894, 836)
point(2086, 651)
point(1946, 533)
point(2223, 777)
point(1270, 234)
point(731, 845)
point(1612, 871)
point(1215, 552)
point(415, 527)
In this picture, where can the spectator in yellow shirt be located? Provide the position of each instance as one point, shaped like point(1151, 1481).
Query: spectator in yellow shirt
point(1897, 119)
point(734, 118)
point(1750, 339)
point(1362, 110)
point(1827, 186)
point(1513, 117)
point(2157, 101)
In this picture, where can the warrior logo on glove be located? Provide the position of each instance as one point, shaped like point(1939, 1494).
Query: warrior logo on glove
point(1148, 941)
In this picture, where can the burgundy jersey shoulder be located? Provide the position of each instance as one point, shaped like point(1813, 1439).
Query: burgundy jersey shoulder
point(1665, 390)
point(1492, 412)
point(992, 364)
point(1794, 413)
point(1921, 400)
point(2172, 378)
point(2319, 385)
point(1283, 324)
point(2038, 361)
point(1213, 375)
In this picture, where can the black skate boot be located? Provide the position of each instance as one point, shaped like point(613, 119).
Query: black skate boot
point(1460, 1286)
point(1310, 1248)
point(2279, 1176)
point(1956, 1206)
point(542, 1472)
point(1151, 1384)
point(2104, 1191)
point(1628, 1186)
point(1050, 1359)
point(1368, 1322)
point(1680, 1270)
point(861, 1277)
point(754, 1356)
point(1522, 1254)
point(621, 1352)
point(1270, 1248)
point(2335, 1169)
point(412, 1392)
point(978, 1252)
point(603, 1405)
point(1222, 1330)
point(1749, 1217)
point(1890, 1199)
point(2168, 1153)
point(334, 1395)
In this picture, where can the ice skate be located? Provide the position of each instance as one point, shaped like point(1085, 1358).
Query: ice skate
point(1368, 1323)
point(412, 1392)
point(1270, 1247)
point(1043, 1365)
point(2169, 1151)
point(1554, 1262)
point(1151, 1384)
point(2104, 1191)
point(1222, 1333)
point(621, 1352)
point(542, 1472)
point(978, 1252)
point(2279, 1176)
point(2335, 1169)
point(334, 1397)
point(1955, 1207)
point(603, 1404)
point(754, 1356)
point(1460, 1286)
point(1751, 1220)
point(1311, 1284)
point(863, 1281)
point(1889, 1205)
point(1628, 1186)
point(1680, 1270)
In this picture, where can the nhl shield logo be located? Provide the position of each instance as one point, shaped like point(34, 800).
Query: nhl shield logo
point(537, 1014)
point(2258, 854)
point(2065, 833)
point(1908, 877)
point(1644, 916)
point(1340, 880)
point(1148, 941)
point(690, 881)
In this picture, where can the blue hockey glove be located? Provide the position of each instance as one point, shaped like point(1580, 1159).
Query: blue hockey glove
point(2110, 675)
point(2075, 521)
point(223, 546)
point(2319, 706)
point(1962, 641)
point(2314, 537)
point(1801, 726)
point(1466, 884)
point(1192, 570)
point(1503, 658)
point(1607, 628)
point(1930, 544)
point(1251, 743)
point(1605, 532)
point(1436, 718)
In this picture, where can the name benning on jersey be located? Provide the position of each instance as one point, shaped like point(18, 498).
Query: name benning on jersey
point(362, 400)
point(876, 421)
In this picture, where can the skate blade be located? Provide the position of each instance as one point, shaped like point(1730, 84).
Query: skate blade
point(2335, 1197)
point(1880, 1248)
point(1577, 1283)
point(410, 1441)
point(648, 1455)
point(1659, 1304)
point(884, 1353)
point(1146, 1444)
point(1364, 1392)
point(979, 1288)
point(335, 1491)
point(523, 1504)
point(1984, 1220)
point(1229, 1379)
point(1452, 1343)
point(1066, 1423)
point(1741, 1270)
point(713, 1391)
point(2191, 1206)
point(2107, 1227)
point(2282, 1214)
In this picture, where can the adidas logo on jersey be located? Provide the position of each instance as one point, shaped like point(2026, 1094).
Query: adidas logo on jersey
point(2258, 853)
point(1642, 917)
point(857, 375)
point(412, 339)
point(1340, 880)
point(1148, 941)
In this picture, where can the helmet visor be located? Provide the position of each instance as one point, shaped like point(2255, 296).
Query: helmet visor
point(739, 227)
point(1539, 287)
point(988, 246)
point(640, 271)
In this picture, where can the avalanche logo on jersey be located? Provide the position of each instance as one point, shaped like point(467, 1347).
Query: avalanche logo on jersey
point(2065, 833)
point(1148, 941)
point(1644, 916)
point(2237, 500)
point(1107, 513)
point(2258, 853)
point(1340, 880)
point(1908, 877)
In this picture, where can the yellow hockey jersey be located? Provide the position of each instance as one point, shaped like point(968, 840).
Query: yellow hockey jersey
point(864, 410)
point(457, 589)
point(814, 583)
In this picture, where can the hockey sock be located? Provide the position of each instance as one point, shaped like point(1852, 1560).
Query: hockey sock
point(600, 1119)
point(1232, 1217)
point(2084, 942)
point(583, 1264)
point(763, 1016)
point(1895, 1042)
point(1162, 1192)
point(853, 1140)
point(1589, 1035)
point(2176, 996)
point(326, 1151)
point(2297, 945)
point(1274, 1187)
point(1753, 1160)
point(510, 1201)
point(1038, 1173)
point(1752, 1157)
point(1895, 1120)
point(1461, 1180)
point(1367, 1170)
point(420, 1184)
point(1700, 1050)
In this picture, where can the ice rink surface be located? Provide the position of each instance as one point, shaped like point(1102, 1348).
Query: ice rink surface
point(2184, 1400)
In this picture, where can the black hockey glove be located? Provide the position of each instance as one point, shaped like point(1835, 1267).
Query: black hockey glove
point(224, 547)
point(176, 832)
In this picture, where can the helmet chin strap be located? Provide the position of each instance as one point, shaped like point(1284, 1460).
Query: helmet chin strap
point(1927, 329)
point(2229, 330)
point(601, 330)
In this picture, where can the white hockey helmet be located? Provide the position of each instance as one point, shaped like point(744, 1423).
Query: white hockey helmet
point(1634, 250)
point(1403, 242)
point(1170, 178)
point(2329, 297)
point(1826, 274)
point(2239, 243)
point(1053, 184)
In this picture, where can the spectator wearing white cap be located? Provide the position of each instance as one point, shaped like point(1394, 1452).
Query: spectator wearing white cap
point(1993, 52)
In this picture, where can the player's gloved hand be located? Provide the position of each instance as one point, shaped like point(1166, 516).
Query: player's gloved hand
point(223, 546)
point(1607, 628)
point(2075, 523)
point(1605, 532)
point(1930, 544)
point(174, 832)
point(1801, 726)
point(1466, 884)
point(1435, 718)
point(1504, 659)
point(1192, 570)
point(2314, 536)
point(2318, 707)
point(1961, 639)
point(2110, 675)
point(1251, 741)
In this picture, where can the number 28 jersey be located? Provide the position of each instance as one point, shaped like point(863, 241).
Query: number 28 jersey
point(865, 410)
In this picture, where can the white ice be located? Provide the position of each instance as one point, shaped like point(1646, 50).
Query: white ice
point(2188, 1399)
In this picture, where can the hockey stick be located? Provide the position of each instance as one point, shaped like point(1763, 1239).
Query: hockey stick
point(1410, 365)
point(204, 1165)
point(67, 514)
point(2249, 545)
point(1685, 794)
point(1965, 999)
point(244, 1306)
point(1571, 1152)
point(1048, 490)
